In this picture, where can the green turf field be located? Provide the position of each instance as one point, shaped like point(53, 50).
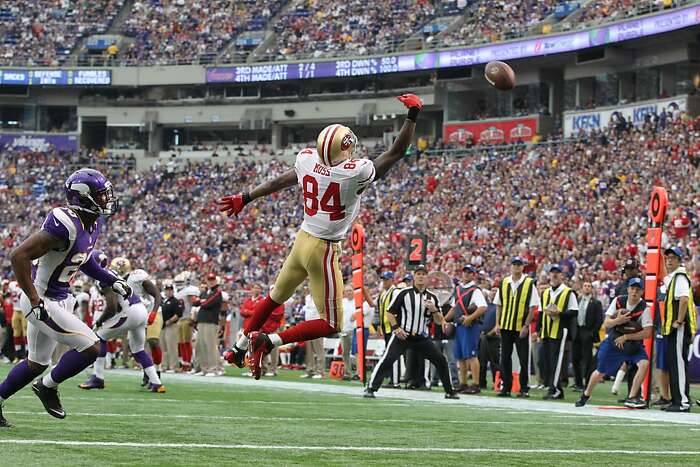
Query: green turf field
point(211, 422)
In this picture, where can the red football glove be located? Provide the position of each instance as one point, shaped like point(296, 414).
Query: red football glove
point(232, 205)
point(411, 100)
point(152, 317)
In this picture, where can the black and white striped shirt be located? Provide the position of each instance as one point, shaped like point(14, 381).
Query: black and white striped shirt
point(409, 308)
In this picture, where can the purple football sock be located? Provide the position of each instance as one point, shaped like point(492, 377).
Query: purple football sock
point(103, 349)
point(16, 379)
point(72, 363)
point(143, 359)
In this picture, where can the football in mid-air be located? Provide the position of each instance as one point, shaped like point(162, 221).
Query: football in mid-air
point(500, 75)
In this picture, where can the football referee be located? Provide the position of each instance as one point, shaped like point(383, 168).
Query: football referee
point(410, 315)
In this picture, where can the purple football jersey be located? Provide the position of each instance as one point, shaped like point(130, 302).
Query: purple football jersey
point(54, 271)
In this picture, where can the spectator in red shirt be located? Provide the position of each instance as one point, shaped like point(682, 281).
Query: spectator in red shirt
point(609, 263)
point(272, 325)
point(681, 224)
point(249, 305)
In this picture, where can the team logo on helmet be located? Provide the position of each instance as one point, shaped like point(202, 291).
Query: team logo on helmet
point(348, 139)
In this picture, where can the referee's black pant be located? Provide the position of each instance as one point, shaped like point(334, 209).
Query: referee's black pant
point(393, 372)
point(552, 360)
point(423, 346)
point(677, 348)
point(508, 340)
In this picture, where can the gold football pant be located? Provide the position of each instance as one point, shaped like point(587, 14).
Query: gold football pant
point(319, 261)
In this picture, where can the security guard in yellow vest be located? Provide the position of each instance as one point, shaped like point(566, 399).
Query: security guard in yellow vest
point(678, 327)
point(386, 297)
point(558, 302)
point(515, 302)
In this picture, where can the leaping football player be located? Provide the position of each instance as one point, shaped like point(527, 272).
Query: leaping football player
point(121, 316)
point(332, 183)
point(62, 247)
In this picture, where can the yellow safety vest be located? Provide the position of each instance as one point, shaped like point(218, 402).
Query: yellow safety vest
point(514, 306)
point(670, 312)
point(550, 327)
point(385, 299)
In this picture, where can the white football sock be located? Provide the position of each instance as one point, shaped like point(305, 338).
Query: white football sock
point(99, 368)
point(48, 381)
point(619, 377)
point(275, 339)
point(152, 375)
point(242, 342)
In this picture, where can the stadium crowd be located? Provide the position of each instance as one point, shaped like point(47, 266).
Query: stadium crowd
point(172, 32)
point(43, 32)
point(322, 27)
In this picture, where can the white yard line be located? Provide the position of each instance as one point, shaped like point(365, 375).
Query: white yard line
point(460, 422)
point(478, 402)
point(330, 449)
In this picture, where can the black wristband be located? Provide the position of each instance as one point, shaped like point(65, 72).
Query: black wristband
point(394, 327)
point(246, 198)
point(413, 114)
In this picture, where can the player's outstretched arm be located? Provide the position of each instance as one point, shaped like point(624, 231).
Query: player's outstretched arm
point(383, 163)
point(232, 205)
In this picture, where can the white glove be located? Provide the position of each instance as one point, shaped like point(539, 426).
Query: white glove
point(121, 288)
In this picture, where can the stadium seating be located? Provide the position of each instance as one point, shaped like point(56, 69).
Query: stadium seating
point(176, 32)
point(182, 32)
point(44, 32)
point(327, 27)
point(580, 202)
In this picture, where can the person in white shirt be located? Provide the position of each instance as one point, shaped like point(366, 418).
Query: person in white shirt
point(315, 360)
point(348, 330)
point(468, 308)
point(679, 325)
point(618, 347)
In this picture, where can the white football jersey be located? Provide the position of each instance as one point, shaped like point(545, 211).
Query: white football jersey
point(182, 294)
point(98, 304)
point(331, 194)
point(135, 280)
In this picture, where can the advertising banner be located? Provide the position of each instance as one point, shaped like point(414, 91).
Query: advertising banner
point(596, 119)
point(495, 131)
point(39, 141)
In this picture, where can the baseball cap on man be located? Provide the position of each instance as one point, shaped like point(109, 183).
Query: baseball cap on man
point(555, 267)
point(517, 260)
point(631, 263)
point(676, 250)
point(387, 275)
point(421, 267)
point(635, 282)
point(469, 268)
point(211, 276)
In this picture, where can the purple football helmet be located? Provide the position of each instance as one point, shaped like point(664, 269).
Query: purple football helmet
point(101, 258)
point(89, 191)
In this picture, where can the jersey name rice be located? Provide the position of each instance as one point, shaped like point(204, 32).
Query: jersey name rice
point(331, 194)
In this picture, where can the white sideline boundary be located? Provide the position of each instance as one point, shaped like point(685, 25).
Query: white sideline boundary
point(117, 444)
point(160, 416)
point(473, 402)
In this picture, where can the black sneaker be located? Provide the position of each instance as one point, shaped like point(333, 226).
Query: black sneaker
point(503, 394)
point(3, 422)
point(235, 356)
point(451, 395)
point(636, 403)
point(582, 401)
point(144, 380)
point(50, 398)
point(661, 402)
point(369, 394)
point(523, 395)
point(677, 408)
